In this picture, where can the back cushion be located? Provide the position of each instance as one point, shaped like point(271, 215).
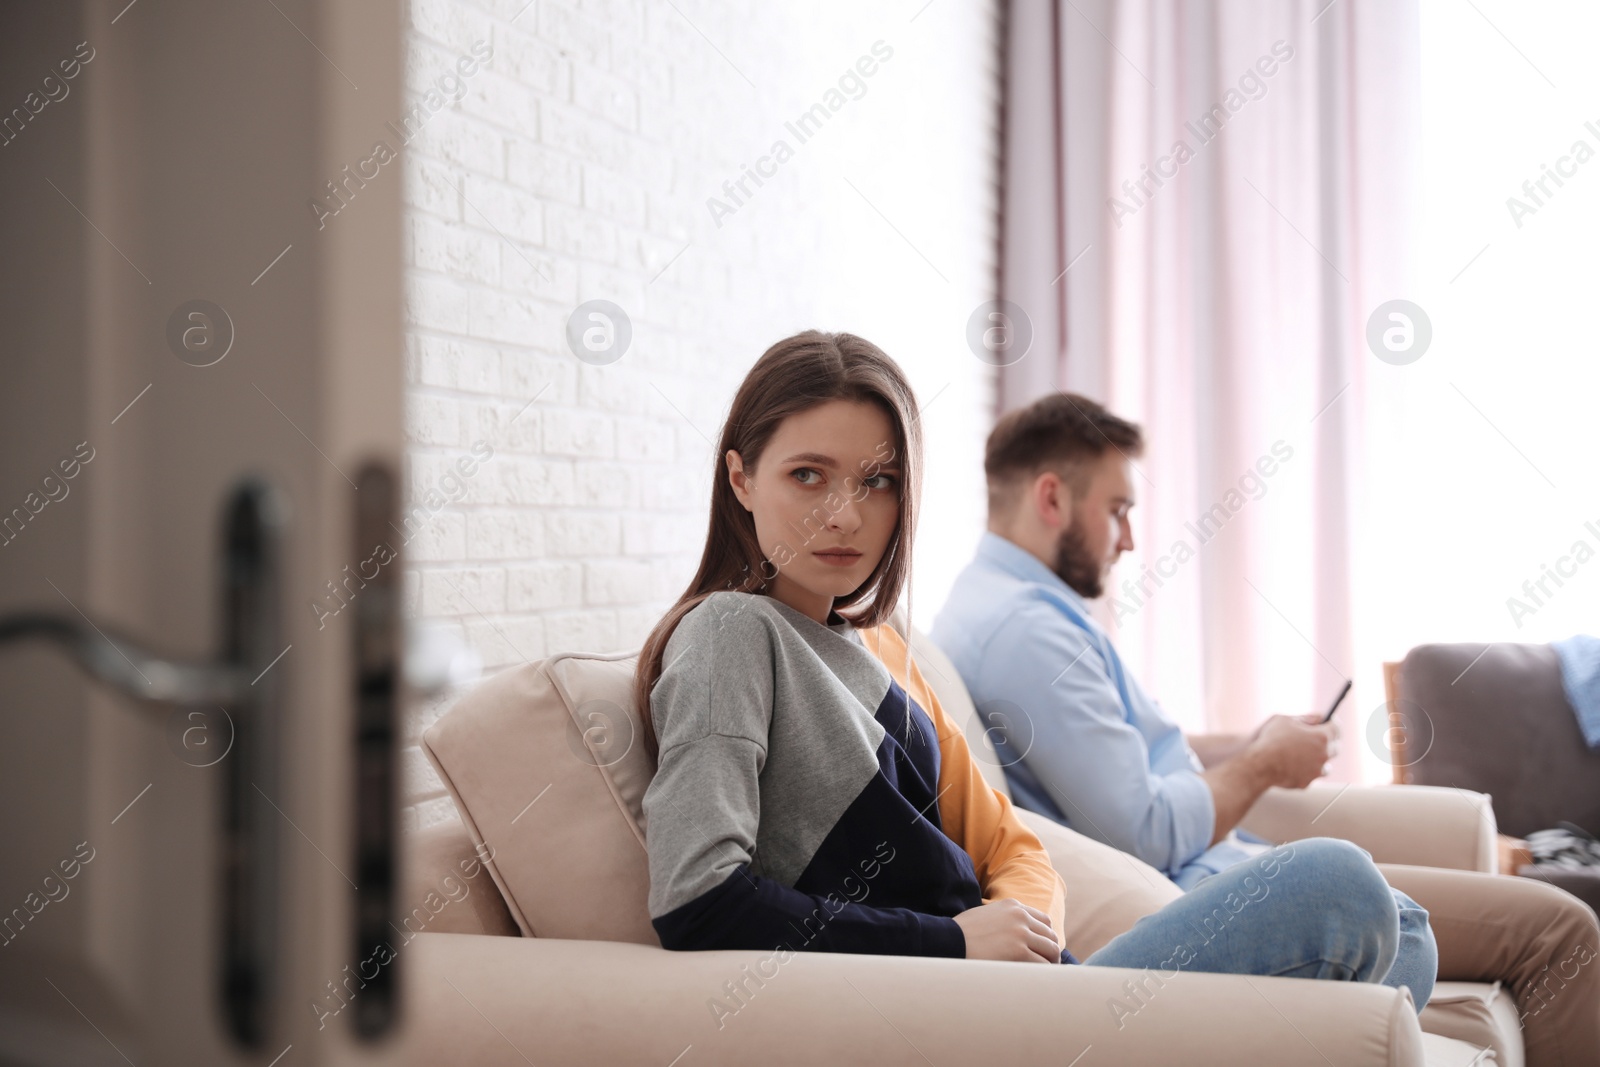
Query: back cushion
point(947, 685)
point(1107, 890)
point(548, 770)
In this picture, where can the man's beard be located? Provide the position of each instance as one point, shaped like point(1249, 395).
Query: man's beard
point(1076, 565)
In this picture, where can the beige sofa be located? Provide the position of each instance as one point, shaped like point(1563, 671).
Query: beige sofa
point(552, 958)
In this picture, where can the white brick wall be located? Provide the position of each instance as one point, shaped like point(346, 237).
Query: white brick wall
point(577, 166)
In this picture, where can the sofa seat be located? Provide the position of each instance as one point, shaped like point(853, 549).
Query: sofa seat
point(506, 1002)
point(492, 1001)
point(478, 992)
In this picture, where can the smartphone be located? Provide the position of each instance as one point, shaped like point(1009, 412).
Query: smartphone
point(1338, 700)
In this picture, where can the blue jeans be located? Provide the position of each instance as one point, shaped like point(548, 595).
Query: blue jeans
point(1316, 908)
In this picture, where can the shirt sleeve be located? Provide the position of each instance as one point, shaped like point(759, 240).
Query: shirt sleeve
point(1008, 857)
point(1072, 727)
point(711, 708)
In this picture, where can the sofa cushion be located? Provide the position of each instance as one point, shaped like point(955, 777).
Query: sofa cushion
point(547, 771)
point(1440, 1051)
point(1479, 1013)
point(941, 674)
point(493, 1001)
point(446, 888)
point(1107, 889)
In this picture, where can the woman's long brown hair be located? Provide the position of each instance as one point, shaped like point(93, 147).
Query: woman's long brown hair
point(792, 376)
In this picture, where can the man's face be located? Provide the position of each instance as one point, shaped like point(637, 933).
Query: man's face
point(1099, 532)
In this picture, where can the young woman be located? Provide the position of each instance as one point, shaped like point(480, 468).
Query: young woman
point(810, 792)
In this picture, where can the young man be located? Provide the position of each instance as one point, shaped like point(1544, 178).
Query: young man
point(1101, 756)
point(1083, 744)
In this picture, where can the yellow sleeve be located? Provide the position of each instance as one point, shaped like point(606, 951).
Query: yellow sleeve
point(1009, 858)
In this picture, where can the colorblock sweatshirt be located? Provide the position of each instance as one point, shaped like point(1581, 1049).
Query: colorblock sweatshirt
point(810, 793)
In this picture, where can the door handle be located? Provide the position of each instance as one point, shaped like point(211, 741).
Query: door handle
point(239, 682)
point(124, 665)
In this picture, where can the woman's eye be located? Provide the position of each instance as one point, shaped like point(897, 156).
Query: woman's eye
point(806, 475)
point(879, 481)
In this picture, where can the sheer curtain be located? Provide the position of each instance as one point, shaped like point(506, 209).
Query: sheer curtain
point(1486, 447)
point(1204, 204)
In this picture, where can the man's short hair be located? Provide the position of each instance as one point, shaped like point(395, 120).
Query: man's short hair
point(1061, 432)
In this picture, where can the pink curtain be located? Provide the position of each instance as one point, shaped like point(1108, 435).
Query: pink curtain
point(1203, 204)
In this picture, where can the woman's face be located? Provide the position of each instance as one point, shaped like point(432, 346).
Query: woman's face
point(826, 500)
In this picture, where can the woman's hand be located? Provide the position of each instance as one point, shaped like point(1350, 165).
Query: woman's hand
point(1009, 930)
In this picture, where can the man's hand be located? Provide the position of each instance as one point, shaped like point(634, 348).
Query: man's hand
point(1286, 750)
point(1009, 930)
point(1296, 749)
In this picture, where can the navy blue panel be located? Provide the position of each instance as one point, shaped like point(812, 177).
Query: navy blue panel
point(883, 850)
point(909, 755)
point(752, 911)
point(889, 844)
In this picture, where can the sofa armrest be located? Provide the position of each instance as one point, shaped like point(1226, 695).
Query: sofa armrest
point(498, 1000)
point(1420, 825)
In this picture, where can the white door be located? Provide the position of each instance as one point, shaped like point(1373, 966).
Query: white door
point(200, 430)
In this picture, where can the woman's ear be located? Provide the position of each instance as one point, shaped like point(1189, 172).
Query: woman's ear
point(737, 478)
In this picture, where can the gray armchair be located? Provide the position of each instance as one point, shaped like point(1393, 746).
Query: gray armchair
point(1496, 720)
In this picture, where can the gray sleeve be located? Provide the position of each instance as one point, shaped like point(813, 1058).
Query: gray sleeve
point(711, 707)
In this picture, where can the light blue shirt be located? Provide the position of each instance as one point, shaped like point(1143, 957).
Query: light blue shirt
point(1078, 739)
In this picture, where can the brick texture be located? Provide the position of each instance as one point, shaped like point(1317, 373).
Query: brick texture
point(577, 164)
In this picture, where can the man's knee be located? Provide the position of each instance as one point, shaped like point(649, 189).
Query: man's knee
point(1576, 919)
point(1565, 922)
point(1574, 937)
point(1332, 857)
point(1360, 920)
point(1571, 955)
